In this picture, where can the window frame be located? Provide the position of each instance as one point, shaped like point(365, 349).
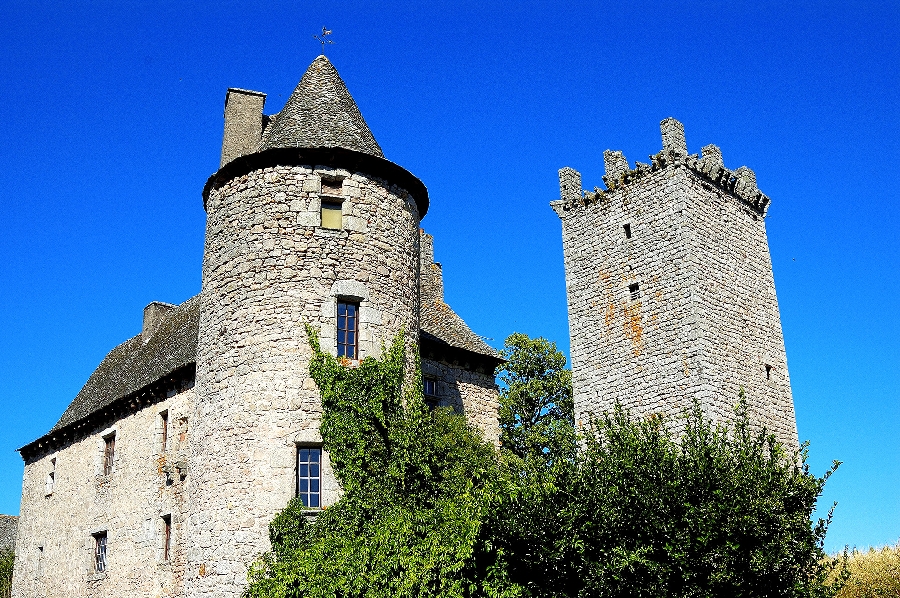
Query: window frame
point(101, 552)
point(167, 538)
point(343, 347)
point(431, 398)
point(109, 454)
point(332, 205)
point(164, 420)
point(306, 496)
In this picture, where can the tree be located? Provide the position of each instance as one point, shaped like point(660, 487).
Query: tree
point(536, 405)
point(7, 559)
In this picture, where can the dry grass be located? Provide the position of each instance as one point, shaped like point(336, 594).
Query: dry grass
point(874, 573)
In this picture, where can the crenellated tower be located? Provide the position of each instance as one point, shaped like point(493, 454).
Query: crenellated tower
point(670, 289)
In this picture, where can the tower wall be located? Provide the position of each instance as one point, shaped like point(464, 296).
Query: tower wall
point(269, 267)
point(670, 291)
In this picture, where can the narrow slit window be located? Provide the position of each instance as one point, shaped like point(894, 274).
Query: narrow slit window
point(164, 422)
point(627, 229)
point(51, 478)
point(635, 291)
point(768, 372)
point(309, 476)
point(429, 389)
point(331, 215)
point(109, 454)
point(167, 537)
point(348, 330)
point(100, 552)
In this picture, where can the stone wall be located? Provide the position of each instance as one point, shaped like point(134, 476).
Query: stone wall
point(670, 291)
point(55, 547)
point(473, 394)
point(269, 268)
point(8, 527)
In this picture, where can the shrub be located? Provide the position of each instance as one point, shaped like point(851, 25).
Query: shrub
point(7, 559)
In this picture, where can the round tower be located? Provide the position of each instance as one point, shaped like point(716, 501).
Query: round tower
point(307, 222)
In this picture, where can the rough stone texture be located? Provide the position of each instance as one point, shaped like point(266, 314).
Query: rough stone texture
point(243, 123)
point(703, 320)
point(8, 527)
point(320, 113)
point(128, 504)
point(268, 269)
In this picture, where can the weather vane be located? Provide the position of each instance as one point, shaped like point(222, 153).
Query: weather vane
point(324, 39)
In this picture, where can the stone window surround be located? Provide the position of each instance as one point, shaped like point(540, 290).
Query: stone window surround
point(113, 432)
point(369, 318)
point(161, 538)
point(50, 484)
point(94, 534)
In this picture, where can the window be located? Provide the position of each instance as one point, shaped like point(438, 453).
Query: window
point(768, 372)
point(100, 552)
point(39, 568)
point(309, 476)
point(109, 454)
point(51, 478)
point(347, 329)
point(332, 187)
point(635, 291)
point(430, 391)
point(627, 229)
point(164, 421)
point(331, 215)
point(167, 536)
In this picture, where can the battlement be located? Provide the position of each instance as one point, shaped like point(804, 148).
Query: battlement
point(740, 183)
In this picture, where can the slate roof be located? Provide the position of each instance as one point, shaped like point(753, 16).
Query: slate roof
point(320, 113)
point(438, 320)
point(136, 364)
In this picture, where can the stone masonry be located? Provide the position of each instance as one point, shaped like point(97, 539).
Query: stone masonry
point(670, 290)
point(8, 529)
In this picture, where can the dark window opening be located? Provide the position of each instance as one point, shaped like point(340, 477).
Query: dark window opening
point(167, 536)
point(348, 330)
point(627, 228)
point(635, 291)
point(768, 372)
point(429, 389)
point(332, 187)
point(100, 552)
point(309, 476)
point(164, 420)
point(109, 454)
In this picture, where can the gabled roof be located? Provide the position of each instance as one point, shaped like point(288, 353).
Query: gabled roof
point(439, 321)
point(135, 364)
point(320, 113)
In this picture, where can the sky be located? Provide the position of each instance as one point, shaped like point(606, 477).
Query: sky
point(111, 122)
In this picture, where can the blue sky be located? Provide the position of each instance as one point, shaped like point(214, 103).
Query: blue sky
point(111, 121)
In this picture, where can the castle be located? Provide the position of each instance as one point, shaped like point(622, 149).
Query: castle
point(163, 473)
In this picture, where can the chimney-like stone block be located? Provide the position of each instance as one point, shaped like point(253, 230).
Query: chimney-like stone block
point(243, 123)
point(616, 164)
point(569, 184)
point(154, 314)
point(673, 136)
point(431, 277)
point(712, 154)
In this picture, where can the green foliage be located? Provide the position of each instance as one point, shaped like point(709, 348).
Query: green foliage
point(536, 404)
point(628, 509)
point(416, 484)
point(7, 559)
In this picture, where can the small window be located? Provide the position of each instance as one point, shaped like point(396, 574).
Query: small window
point(635, 291)
point(768, 372)
point(164, 423)
point(348, 329)
point(167, 537)
point(332, 187)
point(309, 476)
point(39, 569)
point(429, 389)
point(627, 229)
point(109, 454)
point(51, 478)
point(100, 552)
point(331, 215)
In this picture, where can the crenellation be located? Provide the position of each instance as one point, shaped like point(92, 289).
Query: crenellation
point(569, 184)
point(712, 155)
point(615, 164)
point(673, 136)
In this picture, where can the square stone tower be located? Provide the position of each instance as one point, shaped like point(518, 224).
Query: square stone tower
point(670, 289)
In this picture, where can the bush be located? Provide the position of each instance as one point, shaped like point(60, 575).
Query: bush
point(873, 574)
point(7, 559)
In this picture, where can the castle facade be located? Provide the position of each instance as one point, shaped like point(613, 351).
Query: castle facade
point(162, 475)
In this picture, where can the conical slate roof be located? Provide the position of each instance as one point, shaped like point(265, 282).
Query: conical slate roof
point(320, 113)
